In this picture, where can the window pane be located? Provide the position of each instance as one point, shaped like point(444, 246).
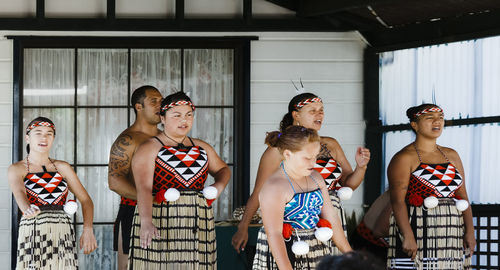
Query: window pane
point(95, 181)
point(102, 77)
point(97, 129)
point(103, 257)
point(63, 147)
point(215, 126)
point(462, 77)
point(224, 204)
point(160, 68)
point(209, 76)
point(49, 77)
point(393, 142)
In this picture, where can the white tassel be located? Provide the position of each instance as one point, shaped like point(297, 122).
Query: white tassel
point(171, 195)
point(431, 202)
point(70, 207)
point(210, 192)
point(462, 205)
point(300, 248)
point(344, 193)
point(323, 234)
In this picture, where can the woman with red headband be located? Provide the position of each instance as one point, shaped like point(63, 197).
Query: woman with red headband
point(173, 226)
point(40, 186)
point(431, 226)
point(307, 110)
point(300, 224)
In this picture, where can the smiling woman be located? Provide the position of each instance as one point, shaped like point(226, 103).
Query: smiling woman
point(40, 186)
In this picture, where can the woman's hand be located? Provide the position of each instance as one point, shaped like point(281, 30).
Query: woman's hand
point(362, 157)
point(240, 239)
point(31, 211)
point(470, 242)
point(87, 240)
point(147, 232)
point(410, 246)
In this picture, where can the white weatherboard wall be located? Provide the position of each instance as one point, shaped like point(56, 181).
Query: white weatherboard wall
point(330, 65)
point(5, 149)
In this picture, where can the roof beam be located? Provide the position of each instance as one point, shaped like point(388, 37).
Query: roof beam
point(215, 25)
point(311, 8)
point(40, 9)
point(111, 9)
point(448, 30)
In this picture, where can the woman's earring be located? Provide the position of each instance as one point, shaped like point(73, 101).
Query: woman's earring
point(298, 123)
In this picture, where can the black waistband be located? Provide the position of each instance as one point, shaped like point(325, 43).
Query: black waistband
point(50, 207)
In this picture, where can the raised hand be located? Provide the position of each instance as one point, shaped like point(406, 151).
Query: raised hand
point(362, 156)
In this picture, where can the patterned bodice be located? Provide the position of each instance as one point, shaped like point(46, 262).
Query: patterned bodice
point(439, 180)
point(328, 167)
point(181, 168)
point(303, 210)
point(46, 188)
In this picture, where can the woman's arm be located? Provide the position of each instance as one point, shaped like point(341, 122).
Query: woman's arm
point(351, 178)
point(469, 238)
point(329, 213)
point(87, 241)
point(216, 167)
point(15, 175)
point(143, 164)
point(272, 199)
point(398, 173)
point(269, 163)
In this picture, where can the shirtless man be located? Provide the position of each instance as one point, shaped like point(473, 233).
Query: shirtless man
point(146, 101)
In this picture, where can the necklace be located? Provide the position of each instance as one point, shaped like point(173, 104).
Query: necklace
point(289, 178)
point(179, 144)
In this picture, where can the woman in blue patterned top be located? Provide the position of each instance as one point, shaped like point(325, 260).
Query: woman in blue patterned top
point(294, 202)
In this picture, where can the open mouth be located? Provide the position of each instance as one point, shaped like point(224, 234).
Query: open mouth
point(43, 144)
point(319, 122)
point(436, 128)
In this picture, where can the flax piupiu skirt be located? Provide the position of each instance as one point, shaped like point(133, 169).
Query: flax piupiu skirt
point(264, 260)
point(187, 236)
point(47, 241)
point(337, 205)
point(439, 234)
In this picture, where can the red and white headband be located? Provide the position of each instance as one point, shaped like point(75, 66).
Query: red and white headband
point(307, 101)
point(40, 124)
point(178, 103)
point(428, 110)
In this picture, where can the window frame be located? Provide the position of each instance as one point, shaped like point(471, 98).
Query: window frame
point(241, 96)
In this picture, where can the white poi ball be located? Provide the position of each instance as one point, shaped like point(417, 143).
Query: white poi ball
point(210, 192)
point(300, 248)
point(70, 207)
point(431, 202)
point(344, 193)
point(323, 234)
point(171, 195)
point(462, 205)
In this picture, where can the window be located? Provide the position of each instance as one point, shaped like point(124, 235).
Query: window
point(461, 78)
point(86, 91)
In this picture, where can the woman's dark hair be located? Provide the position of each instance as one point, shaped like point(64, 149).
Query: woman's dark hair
point(410, 113)
point(354, 260)
point(287, 118)
point(177, 96)
point(293, 138)
point(38, 119)
point(139, 95)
